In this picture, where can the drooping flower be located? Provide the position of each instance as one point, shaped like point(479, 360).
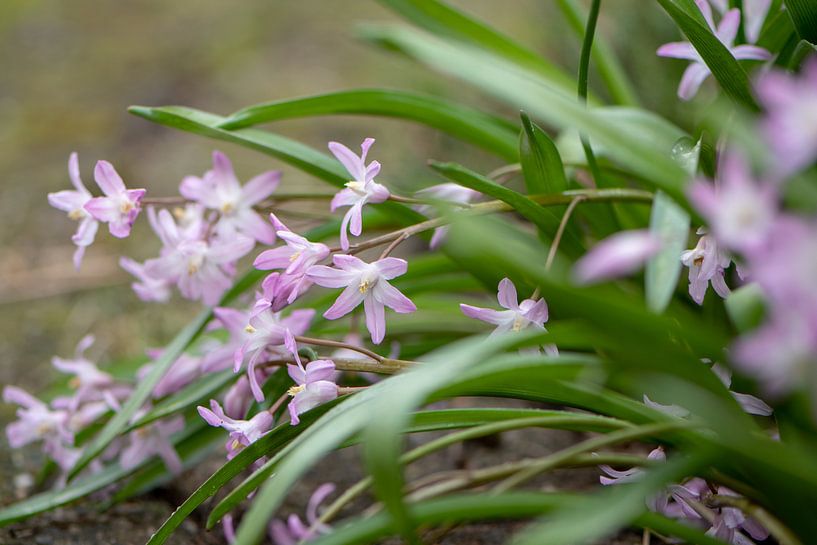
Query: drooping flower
point(242, 432)
point(739, 210)
point(120, 205)
point(220, 190)
point(203, 269)
point(361, 190)
point(698, 71)
point(314, 387)
point(267, 331)
point(294, 531)
point(729, 524)
point(152, 440)
point(516, 316)
point(365, 283)
point(754, 15)
point(707, 263)
point(790, 124)
point(617, 255)
point(449, 192)
point(295, 258)
point(73, 202)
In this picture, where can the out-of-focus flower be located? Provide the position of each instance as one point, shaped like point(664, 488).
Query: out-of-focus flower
point(294, 531)
point(90, 383)
point(726, 32)
point(361, 190)
point(739, 210)
point(242, 432)
point(150, 440)
point(617, 255)
point(749, 403)
point(790, 124)
point(220, 190)
point(707, 263)
point(182, 372)
point(268, 330)
point(238, 399)
point(35, 420)
point(147, 287)
point(223, 357)
point(295, 258)
point(73, 202)
point(516, 317)
point(202, 269)
point(120, 205)
point(314, 387)
point(729, 522)
point(365, 283)
point(449, 192)
point(754, 15)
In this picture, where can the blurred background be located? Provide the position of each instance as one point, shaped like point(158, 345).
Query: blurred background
point(69, 70)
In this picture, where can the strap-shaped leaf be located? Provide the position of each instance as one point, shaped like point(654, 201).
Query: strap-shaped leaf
point(490, 132)
point(442, 19)
point(730, 75)
point(541, 164)
point(670, 223)
point(804, 15)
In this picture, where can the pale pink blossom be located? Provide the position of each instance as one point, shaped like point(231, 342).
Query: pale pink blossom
point(315, 386)
point(151, 440)
point(294, 531)
point(365, 283)
point(73, 202)
point(242, 432)
point(120, 205)
point(617, 255)
point(361, 190)
point(516, 316)
point(220, 190)
point(707, 263)
point(449, 192)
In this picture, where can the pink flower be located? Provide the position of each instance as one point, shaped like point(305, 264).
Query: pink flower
point(740, 211)
point(295, 258)
point(450, 192)
point(698, 71)
point(73, 202)
point(314, 387)
point(120, 205)
point(222, 357)
point(242, 432)
point(220, 190)
point(754, 14)
point(790, 125)
point(90, 383)
point(362, 189)
point(617, 255)
point(35, 420)
point(268, 330)
point(516, 317)
point(182, 372)
point(294, 531)
point(202, 269)
point(365, 283)
point(151, 440)
point(147, 288)
point(707, 263)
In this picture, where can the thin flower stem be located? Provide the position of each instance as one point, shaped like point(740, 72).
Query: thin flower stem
point(405, 200)
point(390, 248)
point(278, 402)
point(343, 390)
point(584, 66)
point(387, 367)
point(781, 533)
point(279, 197)
point(493, 207)
point(554, 246)
point(338, 344)
point(505, 173)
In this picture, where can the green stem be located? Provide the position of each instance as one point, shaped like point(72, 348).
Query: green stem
point(584, 67)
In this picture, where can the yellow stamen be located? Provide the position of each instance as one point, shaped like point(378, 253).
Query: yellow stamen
point(227, 208)
point(294, 256)
point(235, 445)
point(126, 207)
point(250, 329)
point(357, 187)
point(518, 323)
point(178, 212)
point(296, 390)
point(364, 286)
point(76, 214)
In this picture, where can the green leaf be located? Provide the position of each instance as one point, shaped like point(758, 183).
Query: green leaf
point(443, 20)
point(193, 393)
point(730, 75)
point(541, 164)
point(804, 15)
point(670, 223)
point(633, 144)
point(746, 307)
point(471, 125)
point(609, 68)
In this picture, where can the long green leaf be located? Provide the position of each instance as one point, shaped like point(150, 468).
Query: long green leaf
point(443, 20)
point(804, 15)
point(730, 75)
point(541, 164)
point(670, 223)
point(471, 125)
point(506, 505)
point(642, 151)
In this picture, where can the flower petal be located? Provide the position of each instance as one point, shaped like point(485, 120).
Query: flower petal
point(348, 300)
point(375, 318)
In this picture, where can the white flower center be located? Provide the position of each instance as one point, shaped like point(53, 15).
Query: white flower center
point(357, 187)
